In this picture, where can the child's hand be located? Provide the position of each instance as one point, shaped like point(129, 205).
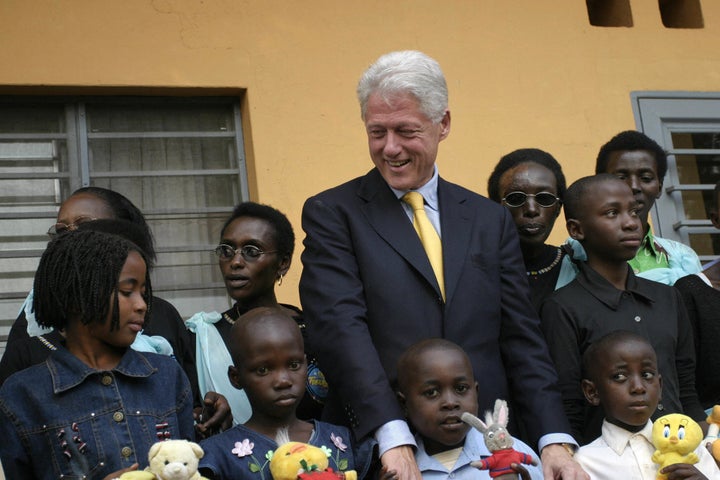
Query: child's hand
point(386, 474)
point(709, 448)
point(117, 474)
point(215, 415)
point(682, 471)
point(524, 474)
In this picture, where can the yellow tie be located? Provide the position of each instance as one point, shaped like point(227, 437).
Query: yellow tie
point(428, 236)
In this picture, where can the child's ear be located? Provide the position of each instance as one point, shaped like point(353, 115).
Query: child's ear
point(574, 228)
point(590, 392)
point(234, 377)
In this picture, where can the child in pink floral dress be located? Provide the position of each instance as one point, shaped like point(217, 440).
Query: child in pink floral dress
point(269, 364)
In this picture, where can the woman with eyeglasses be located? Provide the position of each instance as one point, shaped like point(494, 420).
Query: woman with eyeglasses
point(165, 331)
point(255, 252)
point(530, 183)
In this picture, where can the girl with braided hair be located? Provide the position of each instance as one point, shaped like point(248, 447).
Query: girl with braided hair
point(95, 406)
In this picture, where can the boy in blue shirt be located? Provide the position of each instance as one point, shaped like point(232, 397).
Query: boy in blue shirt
point(436, 385)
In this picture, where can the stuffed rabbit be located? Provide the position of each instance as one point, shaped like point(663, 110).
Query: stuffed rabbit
point(498, 441)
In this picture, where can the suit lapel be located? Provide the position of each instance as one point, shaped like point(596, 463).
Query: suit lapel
point(456, 226)
point(385, 214)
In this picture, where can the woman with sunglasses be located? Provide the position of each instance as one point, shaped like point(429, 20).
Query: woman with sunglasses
point(531, 184)
point(255, 252)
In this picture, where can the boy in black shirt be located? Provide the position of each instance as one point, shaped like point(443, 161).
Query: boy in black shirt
point(602, 214)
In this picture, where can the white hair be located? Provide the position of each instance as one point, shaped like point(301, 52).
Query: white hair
point(403, 72)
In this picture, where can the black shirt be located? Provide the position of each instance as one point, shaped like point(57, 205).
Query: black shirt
point(703, 307)
point(589, 308)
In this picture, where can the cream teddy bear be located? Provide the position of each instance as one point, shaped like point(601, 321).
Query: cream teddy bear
point(171, 460)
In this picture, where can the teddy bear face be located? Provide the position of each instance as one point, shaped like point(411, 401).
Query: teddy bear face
point(175, 460)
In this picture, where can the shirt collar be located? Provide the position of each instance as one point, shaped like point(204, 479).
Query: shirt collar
point(649, 243)
point(618, 438)
point(428, 191)
point(474, 448)
point(68, 371)
point(605, 292)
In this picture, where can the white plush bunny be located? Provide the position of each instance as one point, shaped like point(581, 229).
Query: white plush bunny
point(498, 440)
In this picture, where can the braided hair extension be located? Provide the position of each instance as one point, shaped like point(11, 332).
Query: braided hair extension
point(78, 277)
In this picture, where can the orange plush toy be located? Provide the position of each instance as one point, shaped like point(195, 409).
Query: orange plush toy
point(712, 436)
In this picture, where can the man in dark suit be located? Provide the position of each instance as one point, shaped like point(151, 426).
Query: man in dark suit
point(369, 290)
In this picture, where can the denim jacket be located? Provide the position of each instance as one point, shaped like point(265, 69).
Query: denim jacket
point(63, 419)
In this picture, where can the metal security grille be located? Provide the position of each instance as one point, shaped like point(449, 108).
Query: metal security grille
point(180, 160)
point(687, 125)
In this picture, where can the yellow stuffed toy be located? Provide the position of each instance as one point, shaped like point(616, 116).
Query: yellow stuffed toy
point(675, 436)
point(170, 460)
point(295, 460)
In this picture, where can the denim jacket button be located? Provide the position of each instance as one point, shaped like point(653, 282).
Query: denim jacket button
point(106, 380)
point(118, 416)
point(126, 452)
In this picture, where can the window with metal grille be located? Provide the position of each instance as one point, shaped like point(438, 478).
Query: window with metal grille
point(180, 160)
point(687, 125)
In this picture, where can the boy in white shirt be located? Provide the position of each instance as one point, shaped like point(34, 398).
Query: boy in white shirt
point(620, 374)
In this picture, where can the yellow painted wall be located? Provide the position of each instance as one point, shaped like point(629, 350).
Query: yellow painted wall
point(521, 73)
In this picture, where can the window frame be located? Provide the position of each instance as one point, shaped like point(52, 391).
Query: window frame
point(658, 114)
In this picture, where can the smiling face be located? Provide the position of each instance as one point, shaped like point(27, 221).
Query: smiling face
point(609, 227)
point(269, 365)
point(638, 169)
point(534, 223)
point(436, 388)
point(403, 141)
point(626, 383)
point(130, 294)
point(252, 283)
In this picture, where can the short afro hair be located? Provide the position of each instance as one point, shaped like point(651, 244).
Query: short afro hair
point(282, 228)
point(599, 348)
point(632, 140)
point(518, 157)
point(577, 192)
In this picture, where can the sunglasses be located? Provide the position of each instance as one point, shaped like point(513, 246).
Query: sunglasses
point(249, 253)
point(518, 199)
point(59, 228)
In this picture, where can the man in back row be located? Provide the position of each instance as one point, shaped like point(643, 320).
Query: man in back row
point(400, 255)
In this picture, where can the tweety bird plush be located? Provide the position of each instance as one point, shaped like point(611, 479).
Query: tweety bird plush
point(675, 437)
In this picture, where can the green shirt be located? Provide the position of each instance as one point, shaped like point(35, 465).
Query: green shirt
point(650, 255)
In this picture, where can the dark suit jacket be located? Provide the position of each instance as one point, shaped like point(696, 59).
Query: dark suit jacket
point(368, 292)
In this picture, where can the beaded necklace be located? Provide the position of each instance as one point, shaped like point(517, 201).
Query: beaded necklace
point(535, 273)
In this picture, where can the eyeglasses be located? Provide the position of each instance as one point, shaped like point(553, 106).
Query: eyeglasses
point(249, 253)
point(518, 199)
point(59, 228)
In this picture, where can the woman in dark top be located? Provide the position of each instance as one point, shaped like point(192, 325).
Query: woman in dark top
point(255, 252)
point(531, 184)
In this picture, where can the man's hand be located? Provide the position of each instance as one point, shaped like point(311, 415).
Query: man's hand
point(215, 415)
point(558, 464)
point(400, 461)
